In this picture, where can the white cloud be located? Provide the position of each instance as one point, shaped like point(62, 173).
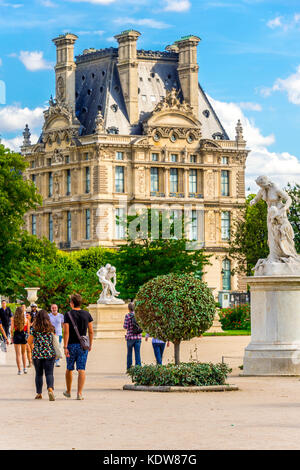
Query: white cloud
point(0, 62)
point(177, 5)
point(48, 3)
point(284, 24)
point(12, 5)
point(14, 118)
point(251, 106)
point(34, 61)
point(141, 22)
point(94, 2)
point(15, 143)
point(282, 167)
point(289, 85)
point(87, 33)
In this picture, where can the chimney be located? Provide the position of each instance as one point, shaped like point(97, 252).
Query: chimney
point(188, 70)
point(128, 71)
point(65, 69)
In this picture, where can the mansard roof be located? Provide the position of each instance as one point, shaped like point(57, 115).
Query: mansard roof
point(98, 88)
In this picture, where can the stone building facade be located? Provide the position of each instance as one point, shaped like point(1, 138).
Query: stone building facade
point(129, 128)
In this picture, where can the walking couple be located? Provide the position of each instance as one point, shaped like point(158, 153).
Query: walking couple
point(45, 350)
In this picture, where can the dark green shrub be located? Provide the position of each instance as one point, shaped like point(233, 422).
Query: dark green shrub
point(236, 318)
point(184, 374)
point(175, 307)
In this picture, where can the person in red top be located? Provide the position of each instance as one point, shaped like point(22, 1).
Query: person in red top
point(133, 340)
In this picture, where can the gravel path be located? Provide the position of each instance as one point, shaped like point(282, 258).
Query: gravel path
point(263, 414)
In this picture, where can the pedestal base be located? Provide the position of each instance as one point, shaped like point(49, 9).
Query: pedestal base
point(216, 326)
point(108, 320)
point(275, 326)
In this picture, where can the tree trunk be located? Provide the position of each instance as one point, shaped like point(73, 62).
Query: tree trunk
point(177, 353)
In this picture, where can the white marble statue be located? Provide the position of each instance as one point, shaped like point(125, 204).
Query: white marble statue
point(108, 279)
point(283, 258)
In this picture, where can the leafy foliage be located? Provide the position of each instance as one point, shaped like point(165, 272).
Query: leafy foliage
point(236, 318)
point(185, 374)
point(175, 307)
point(57, 281)
point(144, 258)
point(294, 213)
point(17, 196)
point(249, 236)
point(94, 258)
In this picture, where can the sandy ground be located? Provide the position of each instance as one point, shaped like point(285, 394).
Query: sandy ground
point(264, 414)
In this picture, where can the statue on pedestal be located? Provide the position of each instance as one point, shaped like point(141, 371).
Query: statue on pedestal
point(108, 279)
point(283, 258)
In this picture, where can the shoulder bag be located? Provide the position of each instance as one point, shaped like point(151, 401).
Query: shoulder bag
point(83, 340)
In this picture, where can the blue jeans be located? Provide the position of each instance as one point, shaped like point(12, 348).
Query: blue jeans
point(159, 351)
point(136, 345)
point(59, 341)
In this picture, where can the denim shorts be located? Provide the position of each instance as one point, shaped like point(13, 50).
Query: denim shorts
point(78, 355)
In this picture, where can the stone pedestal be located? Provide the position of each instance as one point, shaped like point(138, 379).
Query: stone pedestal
point(216, 326)
point(108, 320)
point(275, 326)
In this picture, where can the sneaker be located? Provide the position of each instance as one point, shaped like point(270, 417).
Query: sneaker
point(51, 395)
point(38, 396)
point(19, 372)
point(25, 371)
point(67, 395)
point(57, 364)
point(79, 397)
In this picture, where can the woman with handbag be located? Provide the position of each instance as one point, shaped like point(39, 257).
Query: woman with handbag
point(43, 354)
point(19, 330)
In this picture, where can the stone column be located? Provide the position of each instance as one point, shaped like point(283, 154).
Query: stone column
point(275, 326)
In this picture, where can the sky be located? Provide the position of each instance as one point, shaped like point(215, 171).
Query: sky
point(249, 63)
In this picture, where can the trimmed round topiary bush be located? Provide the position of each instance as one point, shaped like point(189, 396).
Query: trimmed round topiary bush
point(184, 374)
point(175, 307)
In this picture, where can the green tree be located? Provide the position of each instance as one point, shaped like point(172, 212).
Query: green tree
point(17, 196)
point(143, 258)
point(175, 307)
point(249, 236)
point(294, 213)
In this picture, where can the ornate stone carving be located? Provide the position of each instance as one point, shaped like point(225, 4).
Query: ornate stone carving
point(57, 157)
point(60, 89)
point(26, 135)
point(108, 279)
point(283, 258)
point(99, 122)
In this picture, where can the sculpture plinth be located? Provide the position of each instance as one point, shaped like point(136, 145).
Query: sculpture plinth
point(275, 326)
point(108, 320)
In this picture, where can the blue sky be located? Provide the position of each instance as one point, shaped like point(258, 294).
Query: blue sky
point(249, 61)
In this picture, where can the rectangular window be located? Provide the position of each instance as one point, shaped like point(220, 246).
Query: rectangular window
point(193, 225)
point(50, 183)
point(225, 225)
point(193, 181)
point(144, 98)
point(68, 182)
point(173, 157)
point(33, 224)
point(86, 156)
point(155, 157)
point(173, 180)
point(120, 156)
point(87, 179)
point(69, 227)
point(87, 224)
point(154, 180)
point(33, 164)
point(120, 187)
point(33, 178)
point(119, 223)
point(49, 161)
point(67, 159)
point(153, 98)
point(224, 183)
point(193, 158)
point(226, 274)
point(224, 160)
point(50, 227)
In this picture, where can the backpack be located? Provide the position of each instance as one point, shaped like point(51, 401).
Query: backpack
point(136, 329)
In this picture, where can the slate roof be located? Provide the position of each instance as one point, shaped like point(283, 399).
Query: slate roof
point(98, 88)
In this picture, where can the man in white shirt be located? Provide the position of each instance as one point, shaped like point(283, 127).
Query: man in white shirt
point(57, 320)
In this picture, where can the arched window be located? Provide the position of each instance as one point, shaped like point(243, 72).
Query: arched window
point(226, 274)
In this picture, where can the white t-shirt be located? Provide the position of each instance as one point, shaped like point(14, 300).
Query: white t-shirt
point(56, 321)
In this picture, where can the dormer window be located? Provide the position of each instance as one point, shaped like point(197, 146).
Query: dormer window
point(114, 107)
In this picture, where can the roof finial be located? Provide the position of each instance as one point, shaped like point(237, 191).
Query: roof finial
point(99, 121)
point(26, 135)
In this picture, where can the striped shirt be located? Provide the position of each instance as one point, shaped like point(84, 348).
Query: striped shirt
point(128, 326)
